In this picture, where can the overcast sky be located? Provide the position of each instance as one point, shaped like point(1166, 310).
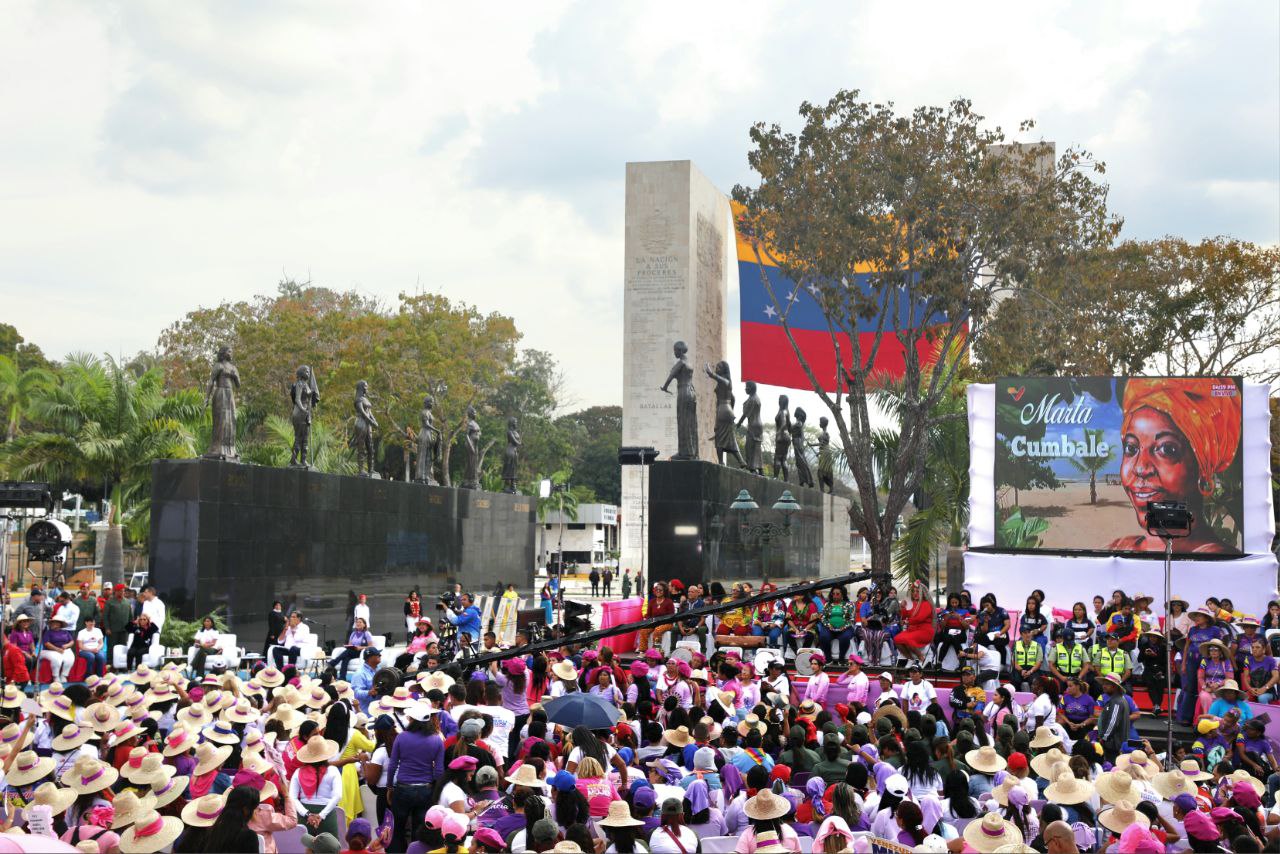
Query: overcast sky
point(156, 157)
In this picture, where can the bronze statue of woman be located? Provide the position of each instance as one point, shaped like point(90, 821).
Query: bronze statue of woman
point(428, 443)
point(752, 451)
point(306, 397)
point(686, 404)
point(781, 438)
point(471, 474)
point(511, 457)
point(726, 437)
point(362, 434)
point(804, 476)
point(826, 459)
point(221, 398)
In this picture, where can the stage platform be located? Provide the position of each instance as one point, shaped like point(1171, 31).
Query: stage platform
point(239, 536)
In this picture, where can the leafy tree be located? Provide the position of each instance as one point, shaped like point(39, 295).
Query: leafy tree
point(27, 356)
point(105, 425)
point(563, 499)
point(1092, 465)
point(18, 389)
point(941, 218)
point(594, 436)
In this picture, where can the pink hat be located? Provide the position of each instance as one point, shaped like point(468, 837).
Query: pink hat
point(489, 838)
point(436, 816)
point(639, 668)
point(514, 666)
point(590, 655)
point(454, 827)
point(467, 763)
point(653, 654)
point(685, 670)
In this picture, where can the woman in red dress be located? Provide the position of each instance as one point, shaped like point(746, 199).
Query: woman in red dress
point(917, 625)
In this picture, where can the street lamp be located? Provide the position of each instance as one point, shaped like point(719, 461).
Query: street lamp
point(766, 532)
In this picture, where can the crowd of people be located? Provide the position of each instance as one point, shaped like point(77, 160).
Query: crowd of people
point(714, 743)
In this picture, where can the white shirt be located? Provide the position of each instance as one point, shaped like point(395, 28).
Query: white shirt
point(154, 609)
point(988, 658)
point(296, 636)
point(206, 636)
point(69, 614)
point(504, 721)
point(382, 760)
point(89, 640)
point(450, 795)
point(659, 841)
point(361, 613)
point(918, 697)
point(328, 793)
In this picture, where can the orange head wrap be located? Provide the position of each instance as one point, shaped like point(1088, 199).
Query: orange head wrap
point(1211, 424)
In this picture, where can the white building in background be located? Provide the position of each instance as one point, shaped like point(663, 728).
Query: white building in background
point(587, 540)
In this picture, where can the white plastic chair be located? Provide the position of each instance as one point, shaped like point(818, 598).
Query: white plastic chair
point(717, 844)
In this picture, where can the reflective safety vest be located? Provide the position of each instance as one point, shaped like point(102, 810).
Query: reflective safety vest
point(1026, 655)
point(1069, 661)
point(1112, 661)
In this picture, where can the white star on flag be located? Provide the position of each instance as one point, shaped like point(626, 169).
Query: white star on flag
point(770, 311)
point(813, 289)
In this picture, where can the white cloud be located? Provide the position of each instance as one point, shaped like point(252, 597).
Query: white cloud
point(158, 156)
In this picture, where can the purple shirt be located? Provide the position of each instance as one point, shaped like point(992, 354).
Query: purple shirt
point(24, 641)
point(514, 700)
point(1077, 709)
point(416, 759)
point(61, 637)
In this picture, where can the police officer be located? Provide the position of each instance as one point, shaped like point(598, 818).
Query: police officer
point(1070, 660)
point(1027, 659)
point(1110, 660)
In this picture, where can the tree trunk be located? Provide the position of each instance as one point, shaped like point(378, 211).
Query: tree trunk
point(1093, 487)
point(113, 551)
point(881, 555)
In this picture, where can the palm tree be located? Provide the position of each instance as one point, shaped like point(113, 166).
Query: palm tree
point(328, 449)
point(18, 388)
point(105, 424)
point(1092, 465)
point(561, 499)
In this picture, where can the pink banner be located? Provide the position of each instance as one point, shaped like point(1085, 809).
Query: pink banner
point(615, 614)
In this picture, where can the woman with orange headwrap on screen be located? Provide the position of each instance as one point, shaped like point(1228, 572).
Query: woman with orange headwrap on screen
point(1178, 436)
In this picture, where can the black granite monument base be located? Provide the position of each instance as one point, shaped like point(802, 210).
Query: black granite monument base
point(241, 536)
point(695, 537)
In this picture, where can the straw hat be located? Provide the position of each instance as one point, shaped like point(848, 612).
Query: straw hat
point(28, 768)
point(12, 697)
point(1119, 816)
point(752, 722)
point(150, 771)
point(124, 732)
point(1192, 771)
point(61, 707)
point(89, 775)
point(527, 776)
point(619, 816)
point(203, 812)
point(117, 693)
point(765, 805)
point(169, 790)
point(400, 698)
point(221, 733)
point(102, 717)
point(1134, 758)
point(1228, 685)
point(1043, 763)
point(317, 749)
point(129, 805)
point(209, 757)
point(316, 698)
point(180, 741)
point(438, 681)
point(1000, 794)
point(152, 832)
point(564, 670)
point(1116, 786)
point(162, 693)
point(678, 737)
point(568, 846)
point(216, 701)
point(1212, 644)
point(270, 677)
point(990, 833)
point(12, 734)
point(253, 689)
point(1068, 790)
point(55, 689)
point(1242, 776)
point(985, 759)
point(143, 675)
point(1045, 737)
point(253, 742)
point(767, 843)
point(808, 709)
point(56, 799)
point(287, 715)
point(133, 763)
point(196, 716)
point(71, 737)
point(1170, 784)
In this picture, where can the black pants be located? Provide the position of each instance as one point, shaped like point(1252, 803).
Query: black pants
point(790, 641)
point(342, 662)
point(1002, 646)
point(282, 655)
point(267, 644)
point(946, 642)
point(409, 805)
point(595, 587)
point(197, 661)
point(1154, 680)
point(134, 656)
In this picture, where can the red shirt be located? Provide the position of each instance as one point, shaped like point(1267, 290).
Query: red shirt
point(15, 665)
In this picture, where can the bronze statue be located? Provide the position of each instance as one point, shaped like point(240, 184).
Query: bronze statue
point(804, 476)
point(686, 404)
point(755, 430)
point(428, 442)
point(826, 459)
point(726, 437)
point(221, 398)
point(362, 435)
point(306, 397)
point(781, 438)
point(511, 457)
point(471, 476)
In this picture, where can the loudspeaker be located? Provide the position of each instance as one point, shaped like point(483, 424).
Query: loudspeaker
point(804, 666)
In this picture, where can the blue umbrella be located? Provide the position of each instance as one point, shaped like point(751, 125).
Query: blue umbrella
point(578, 709)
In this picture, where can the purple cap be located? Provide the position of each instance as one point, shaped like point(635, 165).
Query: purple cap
point(359, 827)
point(1185, 802)
point(645, 798)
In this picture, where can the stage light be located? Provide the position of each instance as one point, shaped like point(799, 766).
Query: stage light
point(48, 539)
point(1169, 519)
point(15, 493)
